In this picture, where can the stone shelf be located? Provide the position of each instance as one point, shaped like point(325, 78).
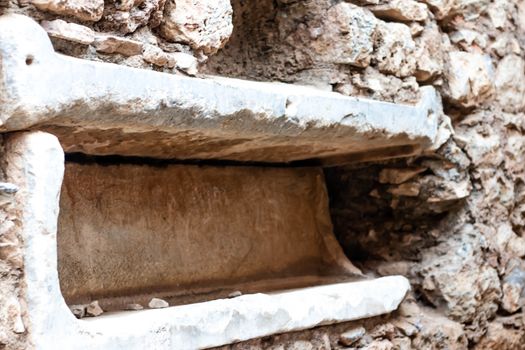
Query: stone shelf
point(106, 109)
point(36, 164)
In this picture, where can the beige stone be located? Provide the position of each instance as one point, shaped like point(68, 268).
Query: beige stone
point(94, 309)
point(347, 36)
point(441, 8)
point(469, 78)
point(510, 83)
point(113, 44)
point(69, 31)
point(154, 55)
point(395, 53)
point(203, 24)
point(85, 10)
point(401, 10)
point(184, 62)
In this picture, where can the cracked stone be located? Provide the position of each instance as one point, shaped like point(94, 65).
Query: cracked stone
point(85, 10)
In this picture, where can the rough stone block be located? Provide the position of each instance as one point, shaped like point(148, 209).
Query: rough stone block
point(85, 10)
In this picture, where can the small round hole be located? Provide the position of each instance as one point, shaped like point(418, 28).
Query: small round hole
point(29, 60)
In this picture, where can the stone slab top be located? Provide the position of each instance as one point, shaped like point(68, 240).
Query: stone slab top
point(107, 109)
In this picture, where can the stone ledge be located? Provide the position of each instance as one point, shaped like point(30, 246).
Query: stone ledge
point(106, 109)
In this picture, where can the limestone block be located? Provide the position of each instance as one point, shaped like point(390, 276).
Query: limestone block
point(469, 78)
point(69, 31)
point(401, 10)
point(85, 10)
point(395, 53)
point(100, 108)
point(117, 44)
point(510, 83)
point(203, 24)
point(127, 16)
point(347, 36)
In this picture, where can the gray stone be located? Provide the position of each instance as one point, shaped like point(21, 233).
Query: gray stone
point(78, 310)
point(509, 83)
point(349, 337)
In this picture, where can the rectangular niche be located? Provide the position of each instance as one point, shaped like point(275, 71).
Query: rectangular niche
point(188, 233)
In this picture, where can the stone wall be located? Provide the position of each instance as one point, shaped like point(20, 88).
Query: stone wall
point(452, 221)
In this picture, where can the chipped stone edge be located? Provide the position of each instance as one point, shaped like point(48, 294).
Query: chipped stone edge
point(37, 162)
point(33, 92)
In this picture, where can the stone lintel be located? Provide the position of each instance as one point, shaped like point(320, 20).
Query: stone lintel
point(107, 109)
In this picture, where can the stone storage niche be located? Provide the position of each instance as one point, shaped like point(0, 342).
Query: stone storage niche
point(135, 228)
point(186, 233)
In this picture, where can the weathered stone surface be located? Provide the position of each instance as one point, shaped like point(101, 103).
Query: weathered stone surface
point(469, 288)
point(127, 16)
point(188, 118)
point(441, 8)
point(429, 54)
point(203, 24)
point(210, 213)
point(185, 62)
point(509, 83)
point(117, 44)
point(153, 54)
point(347, 36)
point(395, 49)
point(400, 10)
point(469, 78)
point(69, 31)
point(85, 10)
